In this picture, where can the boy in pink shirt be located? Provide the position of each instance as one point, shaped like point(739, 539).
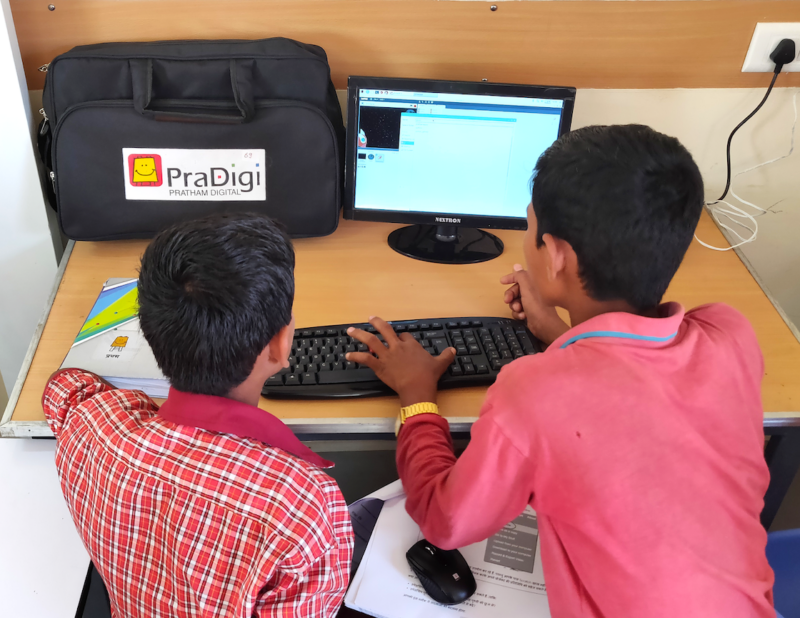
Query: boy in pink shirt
point(637, 435)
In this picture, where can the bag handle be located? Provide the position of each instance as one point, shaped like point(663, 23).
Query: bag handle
point(241, 72)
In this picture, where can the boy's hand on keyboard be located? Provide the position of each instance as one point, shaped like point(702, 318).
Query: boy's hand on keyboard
point(526, 304)
point(402, 364)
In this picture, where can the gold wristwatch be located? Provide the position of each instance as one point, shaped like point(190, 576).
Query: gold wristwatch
point(406, 413)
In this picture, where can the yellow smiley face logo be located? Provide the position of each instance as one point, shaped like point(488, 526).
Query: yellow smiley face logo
point(144, 170)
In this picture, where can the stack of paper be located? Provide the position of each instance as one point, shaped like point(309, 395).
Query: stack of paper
point(111, 344)
point(507, 567)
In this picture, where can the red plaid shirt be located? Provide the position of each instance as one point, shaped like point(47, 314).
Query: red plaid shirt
point(183, 521)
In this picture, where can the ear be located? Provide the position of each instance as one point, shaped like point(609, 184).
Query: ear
point(557, 256)
point(280, 345)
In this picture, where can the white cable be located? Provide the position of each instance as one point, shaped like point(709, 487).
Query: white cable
point(716, 211)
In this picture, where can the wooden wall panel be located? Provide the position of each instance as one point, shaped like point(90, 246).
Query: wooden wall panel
point(588, 44)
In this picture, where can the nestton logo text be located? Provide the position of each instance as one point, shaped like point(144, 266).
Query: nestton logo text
point(446, 220)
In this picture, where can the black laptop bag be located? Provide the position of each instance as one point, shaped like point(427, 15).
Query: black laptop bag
point(138, 136)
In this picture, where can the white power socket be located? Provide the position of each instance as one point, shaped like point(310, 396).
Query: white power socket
point(765, 39)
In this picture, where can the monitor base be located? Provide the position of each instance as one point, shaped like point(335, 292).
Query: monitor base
point(446, 244)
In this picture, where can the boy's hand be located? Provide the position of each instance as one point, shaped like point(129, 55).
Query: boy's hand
point(526, 304)
point(402, 364)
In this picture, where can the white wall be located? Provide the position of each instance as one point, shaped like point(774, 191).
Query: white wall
point(27, 255)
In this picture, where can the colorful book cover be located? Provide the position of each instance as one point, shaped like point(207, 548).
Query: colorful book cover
point(116, 305)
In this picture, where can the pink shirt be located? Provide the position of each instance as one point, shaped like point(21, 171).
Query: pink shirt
point(639, 443)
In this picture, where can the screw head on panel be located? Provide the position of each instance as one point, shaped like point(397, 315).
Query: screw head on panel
point(51, 7)
point(493, 7)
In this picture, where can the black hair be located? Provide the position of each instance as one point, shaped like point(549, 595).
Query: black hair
point(213, 292)
point(627, 199)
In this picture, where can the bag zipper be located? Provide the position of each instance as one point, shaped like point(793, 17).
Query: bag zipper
point(52, 96)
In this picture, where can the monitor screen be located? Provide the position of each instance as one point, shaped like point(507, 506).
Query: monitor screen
point(465, 155)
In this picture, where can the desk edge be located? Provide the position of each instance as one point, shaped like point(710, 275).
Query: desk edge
point(34, 344)
point(339, 428)
point(764, 288)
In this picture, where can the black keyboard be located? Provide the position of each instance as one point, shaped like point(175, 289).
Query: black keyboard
point(319, 369)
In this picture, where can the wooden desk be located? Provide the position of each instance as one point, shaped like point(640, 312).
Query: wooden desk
point(352, 274)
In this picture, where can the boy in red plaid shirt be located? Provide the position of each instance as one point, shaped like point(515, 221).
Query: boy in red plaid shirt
point(208, 506)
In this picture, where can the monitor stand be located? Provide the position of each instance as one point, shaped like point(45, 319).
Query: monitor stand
point(446, 244)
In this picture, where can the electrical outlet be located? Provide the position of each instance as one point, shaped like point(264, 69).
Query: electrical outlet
point(765, 39)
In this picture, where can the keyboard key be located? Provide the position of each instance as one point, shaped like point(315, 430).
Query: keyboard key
point(424, 326)
point(492, 354)
point(461, 350)
point(434, 334)
point(400, 328)
point(436, 325)
point(362, 347)
point(476, 323)
point(469, 340)
point(349, 365)
point(455, 370)
point(308, 378)
point(481, 368)
point(292, 379)
point(440, 345)
point(452, 325)
point(518, 353)
point(463, 324)
point(474, 349)
point(505, 354)
point(319, 333)
point(339, 366)
point(350, 348)
point(413, 327)
point(342, 377)
point(469, 369)
point(276, 380)
point(526, 343)
point(417, 336)
point(331, 332)
point(324, 366)
point(499, 363)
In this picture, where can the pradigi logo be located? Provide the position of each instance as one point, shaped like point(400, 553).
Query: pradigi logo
point(144, 170)
point(165, 174)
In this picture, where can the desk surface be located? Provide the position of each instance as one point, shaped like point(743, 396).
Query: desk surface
point(352, 274)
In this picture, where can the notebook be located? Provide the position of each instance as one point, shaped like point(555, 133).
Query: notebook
point(111, 344)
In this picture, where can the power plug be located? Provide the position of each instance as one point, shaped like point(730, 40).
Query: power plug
point(784, 53)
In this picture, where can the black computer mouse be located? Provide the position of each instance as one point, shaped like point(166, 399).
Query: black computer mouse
point(443, 573)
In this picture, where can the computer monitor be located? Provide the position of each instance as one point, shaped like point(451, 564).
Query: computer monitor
point(448, 157)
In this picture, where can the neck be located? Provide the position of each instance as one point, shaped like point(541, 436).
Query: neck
point(589, 308)
point(249, 391)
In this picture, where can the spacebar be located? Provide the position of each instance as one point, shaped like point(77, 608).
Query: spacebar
point(343, 377)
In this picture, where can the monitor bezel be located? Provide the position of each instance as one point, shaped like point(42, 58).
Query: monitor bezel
point(356, 83)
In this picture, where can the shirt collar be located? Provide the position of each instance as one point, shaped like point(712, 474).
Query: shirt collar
point(628, 328)
point(225, 415)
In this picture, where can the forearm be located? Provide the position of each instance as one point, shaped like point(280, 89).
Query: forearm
point(459, 502)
